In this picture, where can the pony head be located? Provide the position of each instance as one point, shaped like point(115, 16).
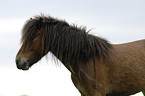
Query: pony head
point(34, 42)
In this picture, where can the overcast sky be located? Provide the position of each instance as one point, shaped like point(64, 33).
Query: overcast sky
point(112, 19)
point(118, 21)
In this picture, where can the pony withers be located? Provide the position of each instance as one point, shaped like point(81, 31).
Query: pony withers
point(97, 67)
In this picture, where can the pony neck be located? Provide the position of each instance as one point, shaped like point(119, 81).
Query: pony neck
point(67, 45)
point(73, 46)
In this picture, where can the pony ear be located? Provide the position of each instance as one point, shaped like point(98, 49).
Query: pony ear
point(40, 19)
point(40, 24)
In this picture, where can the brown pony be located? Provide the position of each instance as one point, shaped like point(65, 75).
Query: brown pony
point(97, 67)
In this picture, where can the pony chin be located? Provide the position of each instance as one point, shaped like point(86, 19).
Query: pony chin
point(25, 69)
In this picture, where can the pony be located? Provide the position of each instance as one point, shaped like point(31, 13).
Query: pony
point(98, 68)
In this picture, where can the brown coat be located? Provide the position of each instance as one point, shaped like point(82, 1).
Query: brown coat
point(122, 76)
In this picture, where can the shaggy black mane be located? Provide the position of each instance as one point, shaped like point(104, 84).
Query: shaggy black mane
point(67, 42)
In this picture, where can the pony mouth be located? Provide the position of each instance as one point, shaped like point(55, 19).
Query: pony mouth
point(23, 67)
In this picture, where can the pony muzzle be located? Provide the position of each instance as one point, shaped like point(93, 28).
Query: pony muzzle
point(22, 64)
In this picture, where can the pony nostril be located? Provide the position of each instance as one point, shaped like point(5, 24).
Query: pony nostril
point(17, 61)
point(25, 64)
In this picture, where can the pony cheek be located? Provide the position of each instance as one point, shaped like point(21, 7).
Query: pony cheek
point(34, 59)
